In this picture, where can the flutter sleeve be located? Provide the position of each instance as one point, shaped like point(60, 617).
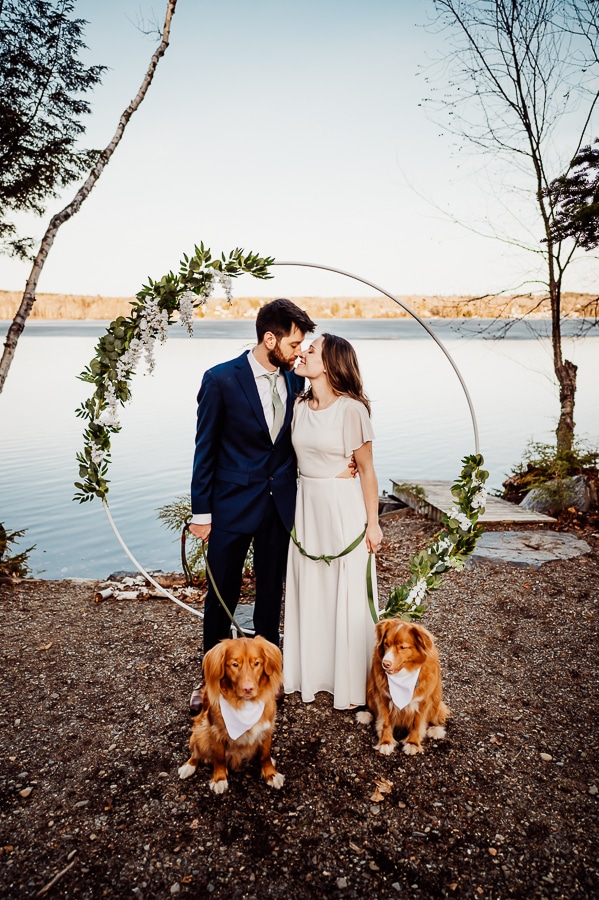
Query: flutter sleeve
point(357, 427)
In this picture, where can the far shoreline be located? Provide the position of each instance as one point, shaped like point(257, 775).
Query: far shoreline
point(79, 307)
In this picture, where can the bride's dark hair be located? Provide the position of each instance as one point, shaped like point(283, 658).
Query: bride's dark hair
point(342, 370)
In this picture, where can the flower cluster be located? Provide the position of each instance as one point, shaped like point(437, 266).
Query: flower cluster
point(129, 339)
point(451, 547)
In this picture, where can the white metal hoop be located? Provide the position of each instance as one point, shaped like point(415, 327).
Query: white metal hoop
point(375, 287)
point(414, 315)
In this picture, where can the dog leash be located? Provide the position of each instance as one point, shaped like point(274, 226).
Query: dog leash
point(189, 577)
point(329, 558)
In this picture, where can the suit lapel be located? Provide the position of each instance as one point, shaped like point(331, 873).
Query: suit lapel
point(246, 379)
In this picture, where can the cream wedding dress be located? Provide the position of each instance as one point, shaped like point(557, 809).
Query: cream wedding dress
point(329, 632)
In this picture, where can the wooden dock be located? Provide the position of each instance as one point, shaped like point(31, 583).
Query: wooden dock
point(439, 499)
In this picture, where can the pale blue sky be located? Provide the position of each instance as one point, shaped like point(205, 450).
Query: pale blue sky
point(289, 128)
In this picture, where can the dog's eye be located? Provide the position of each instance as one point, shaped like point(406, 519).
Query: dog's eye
point(256, 662)
point(235, 664)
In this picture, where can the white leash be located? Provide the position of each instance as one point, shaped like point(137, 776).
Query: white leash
point(140, 568)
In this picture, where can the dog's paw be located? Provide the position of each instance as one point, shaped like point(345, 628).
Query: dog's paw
point(219, 787)
point(412, 749)
point(186, 771)
point(386, 749)
point(276, 781)
point(437, 732)
point(364, 717)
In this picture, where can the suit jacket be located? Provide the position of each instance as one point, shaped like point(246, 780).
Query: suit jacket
point(236, 466)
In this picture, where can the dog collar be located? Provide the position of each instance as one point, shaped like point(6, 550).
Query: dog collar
point(240, 719)
point(402, 685)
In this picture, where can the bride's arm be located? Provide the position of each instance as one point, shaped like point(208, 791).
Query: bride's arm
point(370, 492)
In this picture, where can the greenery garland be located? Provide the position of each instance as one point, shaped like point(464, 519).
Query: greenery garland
point(129, 338)
point(450, 548)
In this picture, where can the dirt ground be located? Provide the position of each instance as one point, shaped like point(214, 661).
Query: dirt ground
point(95, 725)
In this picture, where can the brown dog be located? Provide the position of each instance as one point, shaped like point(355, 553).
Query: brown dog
point(237, 717)
point(404, 687)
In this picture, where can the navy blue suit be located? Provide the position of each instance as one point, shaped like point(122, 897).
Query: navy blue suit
point(248, 485)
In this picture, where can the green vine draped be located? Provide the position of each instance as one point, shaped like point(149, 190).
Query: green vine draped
point(129, 338)
point(450, 548)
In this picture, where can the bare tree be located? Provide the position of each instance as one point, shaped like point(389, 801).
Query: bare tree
point(523, 80)
point(18, 323)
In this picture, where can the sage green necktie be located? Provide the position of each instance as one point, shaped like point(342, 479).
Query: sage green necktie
point(278, 408)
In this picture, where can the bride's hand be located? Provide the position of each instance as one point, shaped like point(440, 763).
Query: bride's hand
point(374, 537)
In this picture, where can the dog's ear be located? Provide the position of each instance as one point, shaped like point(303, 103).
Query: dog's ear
point(422, 639)
point(273, 660)
point(381, 629)
point(214, 663)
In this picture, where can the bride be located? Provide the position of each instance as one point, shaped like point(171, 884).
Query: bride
point(329, 631)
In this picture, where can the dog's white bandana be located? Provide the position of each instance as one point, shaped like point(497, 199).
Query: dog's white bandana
point(401, 686)
point(240, 719)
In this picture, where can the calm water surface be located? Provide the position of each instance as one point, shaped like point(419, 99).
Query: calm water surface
point(420, 415)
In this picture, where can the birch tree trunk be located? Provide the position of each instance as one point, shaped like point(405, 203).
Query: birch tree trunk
point(26, 305)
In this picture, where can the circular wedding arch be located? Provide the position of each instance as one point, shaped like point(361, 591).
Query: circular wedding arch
point(415, 316)
point(270, 263)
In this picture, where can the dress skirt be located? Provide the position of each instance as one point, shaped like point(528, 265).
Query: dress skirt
point(329, 631)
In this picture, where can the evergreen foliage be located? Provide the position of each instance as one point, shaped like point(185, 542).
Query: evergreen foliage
point(576, 199)
point(42, 80)
point(13, 564)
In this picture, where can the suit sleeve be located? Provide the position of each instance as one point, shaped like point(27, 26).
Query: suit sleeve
point(208, 430)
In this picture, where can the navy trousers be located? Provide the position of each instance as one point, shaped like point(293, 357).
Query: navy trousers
point(226, 557)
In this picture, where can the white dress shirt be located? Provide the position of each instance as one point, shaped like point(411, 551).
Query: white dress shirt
point(263, 386)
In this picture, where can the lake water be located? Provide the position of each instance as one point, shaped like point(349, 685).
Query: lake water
point(420, 415)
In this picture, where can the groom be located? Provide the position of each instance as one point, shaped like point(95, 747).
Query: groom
point(244, 469)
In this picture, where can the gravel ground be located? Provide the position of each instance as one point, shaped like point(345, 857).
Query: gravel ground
point(95, 725)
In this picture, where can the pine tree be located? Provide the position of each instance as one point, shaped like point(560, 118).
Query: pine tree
point(42, 83)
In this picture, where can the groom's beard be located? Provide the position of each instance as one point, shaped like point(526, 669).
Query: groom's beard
point(276, 358)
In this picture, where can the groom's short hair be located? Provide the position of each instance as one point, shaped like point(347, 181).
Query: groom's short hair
point(279, 317)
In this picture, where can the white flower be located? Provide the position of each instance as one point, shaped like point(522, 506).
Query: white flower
point(97, 454)
point(186, 302)
point(443, 546)
point(226, 283)
point(417, 594)
point(461, 518)
point(127, 363)
point(479, 500)
point(208, 288)
point(153, 325)
point(109, 417)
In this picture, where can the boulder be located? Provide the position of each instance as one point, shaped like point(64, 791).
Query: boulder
point(553, 496)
